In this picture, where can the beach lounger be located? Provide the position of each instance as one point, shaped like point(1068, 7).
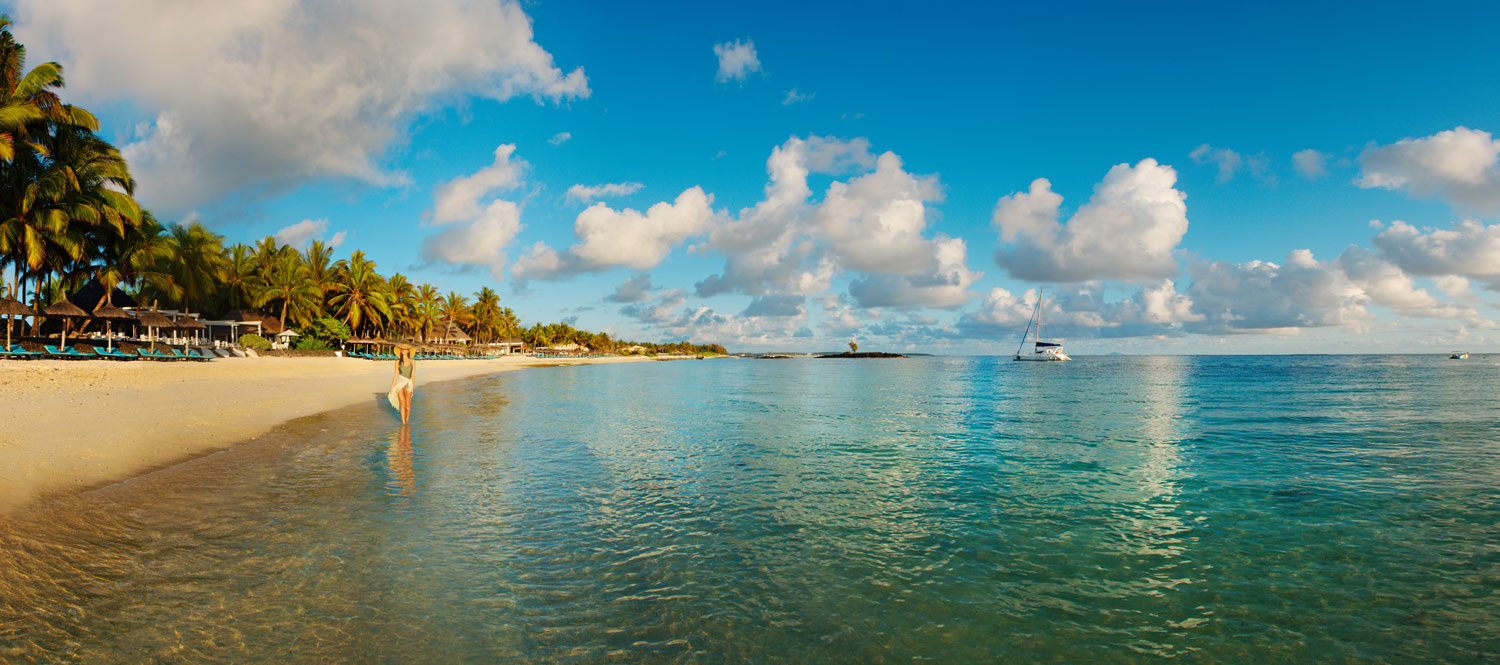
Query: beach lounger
point(200, 354)
point(18, 351)
point(69, 352)
point(223, 353)
point(153, 355)
point(115, 354)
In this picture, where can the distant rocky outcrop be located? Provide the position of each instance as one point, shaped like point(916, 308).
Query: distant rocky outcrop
point(865, 354)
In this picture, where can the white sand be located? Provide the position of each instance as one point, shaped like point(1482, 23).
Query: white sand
point(69, 426)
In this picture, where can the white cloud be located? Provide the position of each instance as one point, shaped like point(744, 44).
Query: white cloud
point(635, 289)
point(1229, 162)
point(1469, 249)
point(737, 60)
point(1461, 166)
point(794, 97)
point(1261, 296)
point(479, 230)
point(480, 243)
point(621, 238)
point(586, 193)
point(301, 233)
point(263, 96)
point(459, 198)
point(1081, 311)
point(337, 239)
point(1388, 286)
point(946, 285)
point(1127, 231)
point(1310, 163)
point(560, 138)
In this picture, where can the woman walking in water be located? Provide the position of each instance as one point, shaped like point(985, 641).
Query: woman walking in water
point(403, 383)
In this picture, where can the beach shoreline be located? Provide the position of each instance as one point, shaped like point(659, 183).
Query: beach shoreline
point(75, 426)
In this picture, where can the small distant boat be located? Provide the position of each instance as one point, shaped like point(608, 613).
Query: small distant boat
point(1459, 355)
point(1042, 351)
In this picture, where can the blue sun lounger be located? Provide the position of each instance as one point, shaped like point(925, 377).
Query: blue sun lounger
point(17, 351)
point(115, 354)
point(69, 352)
point(153, 355)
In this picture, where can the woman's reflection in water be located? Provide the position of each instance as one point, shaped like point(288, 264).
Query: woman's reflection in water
point(398, 456)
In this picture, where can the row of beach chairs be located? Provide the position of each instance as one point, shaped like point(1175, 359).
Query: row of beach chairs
point(70, 353)
point(419, 356)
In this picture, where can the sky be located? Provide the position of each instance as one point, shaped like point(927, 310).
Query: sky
point(1174, 177)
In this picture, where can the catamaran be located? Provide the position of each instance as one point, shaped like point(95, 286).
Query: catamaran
point(1459, 355)
point(1046, 351)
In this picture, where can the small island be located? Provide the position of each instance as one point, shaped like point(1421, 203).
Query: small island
point(866, 354)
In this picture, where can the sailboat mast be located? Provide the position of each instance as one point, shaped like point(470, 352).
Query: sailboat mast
point(1040, 294)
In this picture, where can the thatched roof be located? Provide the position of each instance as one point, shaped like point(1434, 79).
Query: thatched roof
point(454, 334)
point(271, 325)
point(242, 316)
point(65, 308)
point(13, 307)
point(92, 293)
point(108, 311)
point(152, 319)
point(185, 322)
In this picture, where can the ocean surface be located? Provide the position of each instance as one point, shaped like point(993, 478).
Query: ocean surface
point(1331, 509)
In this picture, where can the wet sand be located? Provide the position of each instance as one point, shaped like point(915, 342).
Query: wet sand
point(71, 426)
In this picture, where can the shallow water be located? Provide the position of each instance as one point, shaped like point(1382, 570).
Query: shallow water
point(1209, 509)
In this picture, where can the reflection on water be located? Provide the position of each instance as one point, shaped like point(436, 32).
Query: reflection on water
point(949, 510)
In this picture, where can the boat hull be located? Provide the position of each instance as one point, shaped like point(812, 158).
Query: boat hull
point(1044, 357)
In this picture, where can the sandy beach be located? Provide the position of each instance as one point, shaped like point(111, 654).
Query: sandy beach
point(71, 426)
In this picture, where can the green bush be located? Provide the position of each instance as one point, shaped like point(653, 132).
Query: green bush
point(254, 341)
point(310, 344)
point(328, 329)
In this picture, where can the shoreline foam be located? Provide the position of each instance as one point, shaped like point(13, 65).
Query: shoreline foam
point(73, 426)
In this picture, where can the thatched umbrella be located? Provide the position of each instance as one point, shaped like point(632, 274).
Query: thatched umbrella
point(67, 312)
point(152, 319)
point(109, 313)
point(185, 322)
point(10, 307)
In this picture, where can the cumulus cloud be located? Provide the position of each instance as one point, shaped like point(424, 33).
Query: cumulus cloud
point(480, 243)
point(874, 224)
point(586, 193)
point(1126, 232)
point(299, 234)
point(794, 97)
point(480, 226)
point(337, 239)
point(777, 306)
point(459, 199)
point(560, 138)
point(634, 289)
point(249, 97)
point(1461, 166)
point(1262, 296)
point(766, 247)
point(1081, 311)
point(1469, 249)
point(1386, 285)
point(1310, 163)
point(627, 238)
point(737, 60)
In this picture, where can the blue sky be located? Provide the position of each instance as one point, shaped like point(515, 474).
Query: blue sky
point(1180, 121)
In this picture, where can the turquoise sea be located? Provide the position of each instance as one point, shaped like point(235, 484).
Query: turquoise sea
point(1329, 509)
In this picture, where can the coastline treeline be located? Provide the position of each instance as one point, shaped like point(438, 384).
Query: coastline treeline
point(68, 216)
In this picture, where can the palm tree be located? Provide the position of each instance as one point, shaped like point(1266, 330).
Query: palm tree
point(428, 312)
point(359, 296)
point(320, 269)
point(403, 298)
point(288, 283)
point(485, 314)
point(455, 309)
point(243, 284)
point(196, 268)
